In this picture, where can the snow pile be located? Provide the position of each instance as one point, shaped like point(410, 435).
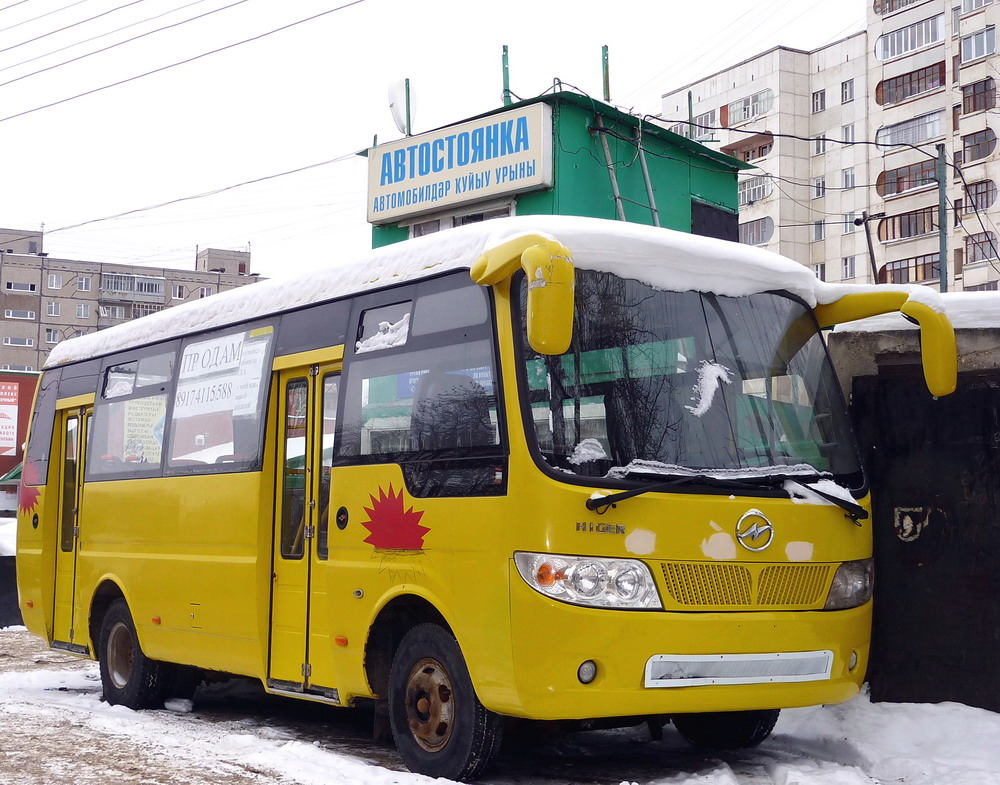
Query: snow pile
point(640, 467)
point(8, 536)
point(663, 258)
point(800, 493)
point(389, 334)
point(965, 310)
point(710, 376)
point(586, 451)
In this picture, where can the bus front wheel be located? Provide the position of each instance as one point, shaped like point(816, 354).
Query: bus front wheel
point(439, 726)
point(726, 730)
point(128, 676)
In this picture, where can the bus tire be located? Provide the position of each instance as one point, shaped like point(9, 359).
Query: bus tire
point(439, 726)
point(128, 676)
point(726, 730)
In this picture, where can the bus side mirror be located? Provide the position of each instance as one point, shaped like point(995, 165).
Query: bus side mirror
point(938, 349)
point(551, 283)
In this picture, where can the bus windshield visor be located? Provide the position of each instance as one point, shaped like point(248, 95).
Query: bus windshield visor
point(660, 384)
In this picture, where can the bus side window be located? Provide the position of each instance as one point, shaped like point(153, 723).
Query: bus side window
point(36, 459)
point(130, 416)
point(217, 419)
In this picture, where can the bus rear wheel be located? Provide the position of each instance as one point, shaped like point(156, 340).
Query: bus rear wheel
point(128, 676)
point(439, 726)
point(726, 730)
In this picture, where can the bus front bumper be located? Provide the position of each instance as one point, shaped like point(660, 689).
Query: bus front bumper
point(657, 662)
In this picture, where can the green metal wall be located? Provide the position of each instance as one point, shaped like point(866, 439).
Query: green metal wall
point(680, 171)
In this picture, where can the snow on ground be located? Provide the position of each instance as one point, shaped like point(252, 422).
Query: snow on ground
point(8, 536)
point(53, 727)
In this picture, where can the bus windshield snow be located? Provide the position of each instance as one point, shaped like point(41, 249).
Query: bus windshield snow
point(659, 384)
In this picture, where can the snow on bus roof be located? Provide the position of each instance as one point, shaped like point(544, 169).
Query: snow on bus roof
point(663, 258)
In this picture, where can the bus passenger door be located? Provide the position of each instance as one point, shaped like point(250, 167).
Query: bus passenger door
point(300, 653)
point(74, 425)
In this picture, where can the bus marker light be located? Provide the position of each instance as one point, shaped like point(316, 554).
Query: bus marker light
point(156, 620)
point(587, 672)
point(340, 640)
point(30, 603)
point(853, 662)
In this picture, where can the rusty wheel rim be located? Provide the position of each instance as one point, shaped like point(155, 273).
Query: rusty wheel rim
point(430, 704)
point(120, 655)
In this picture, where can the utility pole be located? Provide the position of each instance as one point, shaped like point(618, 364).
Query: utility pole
point(942, 219)
point(863, 221)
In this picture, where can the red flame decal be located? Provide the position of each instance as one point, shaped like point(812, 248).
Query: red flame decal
point(391, 528)
point(27, 496)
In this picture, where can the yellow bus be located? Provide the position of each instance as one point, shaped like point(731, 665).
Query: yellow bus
point(540, 467)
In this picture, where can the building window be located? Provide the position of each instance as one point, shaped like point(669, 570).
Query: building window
point(888, 6)
point(704, 127)
point(847, 268)
point(989, 286)
point(819, 231)
point(83, 283)
point(819, 270)
point(148, 285)
point(847, 133)
point(751, 190)
point(750, 149)
point(18, 286)
point(910, 132)
point(910, 38)
point(748, 108)
point(978, 145)
point(980, 196)
point(968, 6)
point(913, 270)
point(82, 310)
point(55, 281)
point(820, 145)
point(980, 247)
point(911, 224)
point(847, 175)
point(112, 311)
point(144, 309)
point(53, 308)
point(14, 313)
point(979, 44)
point(819, 187)
point(906, 86)
point(205, 291)
point(11, 341)
point(847, 91)
point(757, 232)
point(819, 101)
point(979, 96)
point(51, 336)
point(849, 225)
point(178, 292)
point(906, 178)
point(8, 367)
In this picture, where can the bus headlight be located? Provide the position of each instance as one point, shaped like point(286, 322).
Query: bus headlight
point(589, 580)
point(852, 585)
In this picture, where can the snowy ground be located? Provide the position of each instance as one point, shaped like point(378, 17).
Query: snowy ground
point(54, 728)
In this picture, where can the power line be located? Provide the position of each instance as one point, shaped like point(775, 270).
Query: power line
point(41, 16)
point(121, 43)
point(20, 2)
point(102, 35)
point(180, 62)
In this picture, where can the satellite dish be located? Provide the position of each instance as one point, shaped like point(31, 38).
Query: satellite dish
point(399, 104)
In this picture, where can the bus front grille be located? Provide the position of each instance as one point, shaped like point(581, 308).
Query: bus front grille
point(732, 586)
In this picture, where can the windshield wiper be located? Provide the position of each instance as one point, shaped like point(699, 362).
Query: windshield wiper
point(601, 505)
point(854, 511)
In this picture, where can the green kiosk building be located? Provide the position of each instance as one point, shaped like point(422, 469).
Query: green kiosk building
point(558, 154)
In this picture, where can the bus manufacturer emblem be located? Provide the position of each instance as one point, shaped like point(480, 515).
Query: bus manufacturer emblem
point(754, 530)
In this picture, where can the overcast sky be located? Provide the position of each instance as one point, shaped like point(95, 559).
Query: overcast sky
point(314, 92)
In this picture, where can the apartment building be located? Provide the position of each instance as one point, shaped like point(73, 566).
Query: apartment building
point(850, 131)
point(47, 300)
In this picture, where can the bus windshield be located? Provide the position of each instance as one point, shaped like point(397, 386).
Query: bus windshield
point(662, 383)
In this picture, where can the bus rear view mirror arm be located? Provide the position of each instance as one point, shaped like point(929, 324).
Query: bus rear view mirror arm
point(549, 267)
point(938, 350)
